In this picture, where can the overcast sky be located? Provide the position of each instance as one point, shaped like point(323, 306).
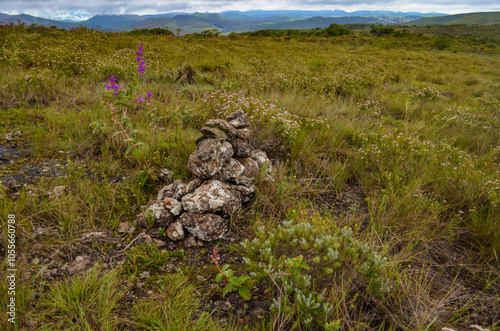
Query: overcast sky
point(80, 10)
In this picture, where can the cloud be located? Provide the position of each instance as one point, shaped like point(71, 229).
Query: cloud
point(70, 9)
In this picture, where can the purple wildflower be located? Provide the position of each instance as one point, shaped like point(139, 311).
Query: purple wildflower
point(142, 63)
point(112, 85)
point(149, 94)
point(140, 99)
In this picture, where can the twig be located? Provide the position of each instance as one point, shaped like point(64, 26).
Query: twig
point(139, 236)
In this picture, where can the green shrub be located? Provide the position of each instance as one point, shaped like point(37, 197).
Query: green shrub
point(299, 259)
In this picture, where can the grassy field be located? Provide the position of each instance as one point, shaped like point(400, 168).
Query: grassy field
point(385, 154)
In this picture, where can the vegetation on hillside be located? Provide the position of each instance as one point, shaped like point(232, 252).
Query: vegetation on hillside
point(384, 210)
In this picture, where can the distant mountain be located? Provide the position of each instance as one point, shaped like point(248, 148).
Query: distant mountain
point(228, 21)
point(28, 19)
point(470, 18)
point(110, 21)
point(315, 22)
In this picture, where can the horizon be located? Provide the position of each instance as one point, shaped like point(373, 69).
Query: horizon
point(82, 14)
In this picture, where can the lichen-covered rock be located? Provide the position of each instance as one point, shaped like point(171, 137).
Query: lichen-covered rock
point(213, 133)
point(251, 167)
point(157, 211)
point(245, 181)
point(209, 158)
point(222, 125)
point(173, 205)
point(178, 189)
point(176, 231)
point(213, 196)
point(243, 133)
point(241, 147)
point(238, 119)
point(262, 160)
point(244, 193)
point(207, 227)
point(232, 169)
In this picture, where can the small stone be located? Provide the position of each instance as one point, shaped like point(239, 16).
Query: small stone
point(144, 275)
point(207, 227)
point(145, 239)
point(96, 234)
point(79, 264)
point(58, 191)
point(190, 242)
point(125, 227)
point(213, 133)
point(224, 305)
point(176, 231)
point(159, 243)
point(169, 267)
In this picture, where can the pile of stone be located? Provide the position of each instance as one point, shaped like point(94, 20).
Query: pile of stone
point(225, 166)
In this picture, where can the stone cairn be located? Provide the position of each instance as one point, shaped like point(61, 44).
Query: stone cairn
point(225, 166)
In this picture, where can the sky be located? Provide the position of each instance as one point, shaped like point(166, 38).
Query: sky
point(81, 10)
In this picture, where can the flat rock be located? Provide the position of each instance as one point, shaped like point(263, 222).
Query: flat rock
point(213, 133)
point(207, 227)
point(222, 125)
point(213, 196)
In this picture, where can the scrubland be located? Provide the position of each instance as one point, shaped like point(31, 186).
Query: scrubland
point(388, 145)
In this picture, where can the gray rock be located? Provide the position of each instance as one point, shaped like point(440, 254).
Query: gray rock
point(244, 193)
point(241, 147)
point(207, 227)
point(173, 205)
point(213, 133)
point(162, 216)
point(178, 189)
point(125, 227)
point(232, 169)
point(213, 196)
point(175, 231)
point(222, 125)
point(209, 158)
point(245, 181)
point(243, 133)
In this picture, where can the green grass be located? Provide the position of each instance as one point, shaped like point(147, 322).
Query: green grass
point(397, 137)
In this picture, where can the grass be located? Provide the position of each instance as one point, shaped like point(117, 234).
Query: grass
point(394, 137)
